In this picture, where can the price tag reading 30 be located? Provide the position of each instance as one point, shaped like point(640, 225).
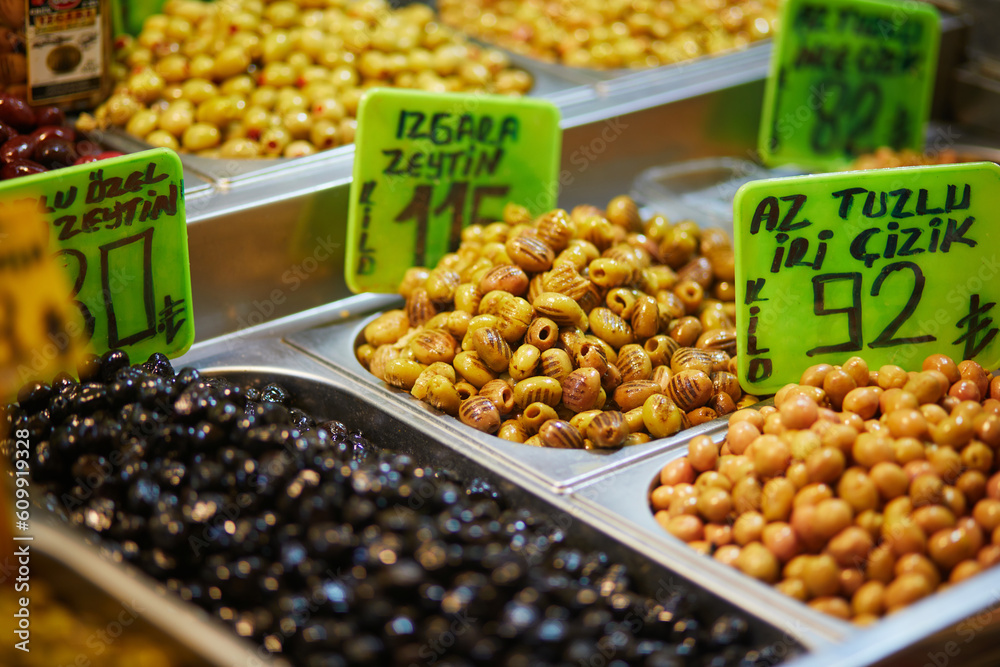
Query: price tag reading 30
point(426, 165)
point(847, 77)
point(118, 228)
point(891, 265)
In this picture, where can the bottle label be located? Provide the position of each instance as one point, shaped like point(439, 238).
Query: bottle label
point(65, 49)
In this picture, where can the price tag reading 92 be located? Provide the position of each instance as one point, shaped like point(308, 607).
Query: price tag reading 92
point(848, 77)
point(891, 265)
point(118, 228)
point(427, 165)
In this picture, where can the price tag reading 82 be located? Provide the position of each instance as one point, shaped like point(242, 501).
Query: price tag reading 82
point(426, 165)
point(891, 265)
point(118, 228)
point(847, 77)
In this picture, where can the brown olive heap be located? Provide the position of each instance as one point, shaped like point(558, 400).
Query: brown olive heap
point(246, 79)
point(590, 329)
point(599, 34)
point(859, 493)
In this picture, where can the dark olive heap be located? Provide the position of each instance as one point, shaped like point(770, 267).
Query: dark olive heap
point(319, 547)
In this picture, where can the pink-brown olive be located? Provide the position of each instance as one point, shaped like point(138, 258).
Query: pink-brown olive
point(560, 434)
point(608, 429)
point(689, 389)
point(480, 413)
point(507, 277)
point(581, 389)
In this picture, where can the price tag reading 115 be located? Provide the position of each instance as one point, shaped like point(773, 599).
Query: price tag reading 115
point(426, 165)
point(118, 228)
point(848, 77)
point(891, 265)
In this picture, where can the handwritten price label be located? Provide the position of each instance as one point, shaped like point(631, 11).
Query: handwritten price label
point(892, 265)
point(427, 165)
point(847, 77)
point(118, 229)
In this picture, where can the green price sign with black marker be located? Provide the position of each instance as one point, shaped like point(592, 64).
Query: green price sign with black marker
point(118, 229)
point(848, 77)
point(427, 165)
point(892, 265)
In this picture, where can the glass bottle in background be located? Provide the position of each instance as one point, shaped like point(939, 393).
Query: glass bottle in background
point(57, 52)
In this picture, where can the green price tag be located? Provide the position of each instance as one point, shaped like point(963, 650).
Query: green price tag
point(426, 165)
point(890, 265)
point(847, 77)
point(118, 228)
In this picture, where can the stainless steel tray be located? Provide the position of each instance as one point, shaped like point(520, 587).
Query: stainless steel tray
point(621, 498)
point(77, 571)
point(558, 469)
point(330, 396)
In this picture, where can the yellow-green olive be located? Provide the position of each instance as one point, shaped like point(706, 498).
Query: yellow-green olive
point(514, 314)
point(539, 388)
point(387, 328)
point(402, 373)
point(472, 369)
point(661, 417)
point(512, 431)
point(605, 272)
point(561, 309)
point(534, 415)
point(556, 363)
point(660, 349)
point(524, 362)
point(442, 394)
point(610, 328)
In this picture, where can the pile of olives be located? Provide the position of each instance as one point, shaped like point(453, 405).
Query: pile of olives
point(33, 141)
point(246, 79)
point(322, 550)
point(602, 34)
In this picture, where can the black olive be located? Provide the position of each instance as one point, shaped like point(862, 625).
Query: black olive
point(111, 362)
point(89, 368)
point(274, 393)
point(158, 364)
point(34, 396)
